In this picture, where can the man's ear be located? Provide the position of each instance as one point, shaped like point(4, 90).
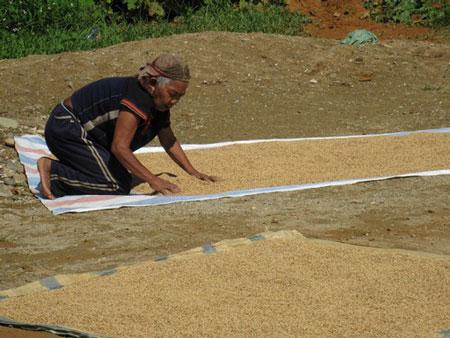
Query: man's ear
point(150, 84)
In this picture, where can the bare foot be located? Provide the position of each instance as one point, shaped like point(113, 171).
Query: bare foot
point(44, 165)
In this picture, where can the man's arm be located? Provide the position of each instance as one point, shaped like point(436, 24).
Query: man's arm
point(172, 147)
point(126, 127)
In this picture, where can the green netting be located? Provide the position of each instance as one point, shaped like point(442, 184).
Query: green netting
point(359, 37)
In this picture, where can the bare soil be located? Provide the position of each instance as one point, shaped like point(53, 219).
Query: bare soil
point(336, 18)
point(244, 86)
point(17, 333)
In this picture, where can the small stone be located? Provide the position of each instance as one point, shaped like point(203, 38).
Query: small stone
point(19, 180)
point(313, 81)
point(8, 172)
point(11, 165)
point(9, 181)
point(5, 191)
point(8, 123)
point(365, 15)
point(9, 141)
point(366, 77)
point(20, 169)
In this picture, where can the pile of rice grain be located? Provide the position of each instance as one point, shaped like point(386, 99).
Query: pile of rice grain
point(258, 165)
point(292, 287)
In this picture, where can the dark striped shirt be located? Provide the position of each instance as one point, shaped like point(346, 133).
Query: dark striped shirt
point(97, 106)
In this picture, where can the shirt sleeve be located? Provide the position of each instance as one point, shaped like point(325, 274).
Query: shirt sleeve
point(137, 101)
point(129, 106)
point(164, 120)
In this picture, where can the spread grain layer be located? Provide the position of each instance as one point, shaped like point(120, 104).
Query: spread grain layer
point(258, 165)
point(293, 287)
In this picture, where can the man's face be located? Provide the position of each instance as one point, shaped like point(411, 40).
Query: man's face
point(166, 96)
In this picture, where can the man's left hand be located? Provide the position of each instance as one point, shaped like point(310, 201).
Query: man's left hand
point(205, 177)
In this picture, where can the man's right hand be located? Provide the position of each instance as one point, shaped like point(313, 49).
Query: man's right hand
point(164, 187)
point(126, 126)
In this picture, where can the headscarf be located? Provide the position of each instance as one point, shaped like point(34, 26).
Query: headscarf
point(166, 65)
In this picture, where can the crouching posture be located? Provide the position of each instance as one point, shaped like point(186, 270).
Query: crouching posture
point(94, 132)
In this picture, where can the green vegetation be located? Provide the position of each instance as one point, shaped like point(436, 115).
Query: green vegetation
point(46, 26)
point(432, 13)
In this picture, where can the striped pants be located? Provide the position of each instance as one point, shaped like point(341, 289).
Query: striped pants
point(83, 166)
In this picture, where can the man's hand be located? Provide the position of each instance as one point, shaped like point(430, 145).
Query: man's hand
point(205, 177)
point(177, 154)
point(164, 187)
point(126, 127)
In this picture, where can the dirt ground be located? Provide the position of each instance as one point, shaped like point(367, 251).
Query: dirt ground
point(335, 18)
point(244, 86)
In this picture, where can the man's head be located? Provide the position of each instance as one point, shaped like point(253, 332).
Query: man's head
point(166, 79)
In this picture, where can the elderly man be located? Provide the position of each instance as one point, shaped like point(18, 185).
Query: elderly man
point(94, 132)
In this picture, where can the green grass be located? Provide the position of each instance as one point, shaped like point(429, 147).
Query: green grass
point(224, 17)
point(213, 16)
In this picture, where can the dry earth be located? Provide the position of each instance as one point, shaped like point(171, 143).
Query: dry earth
point(335, 18)
point(245, 86)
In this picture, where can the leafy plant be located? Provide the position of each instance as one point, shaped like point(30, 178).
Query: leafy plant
point(424, 12)
point(169, 9)
point(150, 9)
point(39, 15)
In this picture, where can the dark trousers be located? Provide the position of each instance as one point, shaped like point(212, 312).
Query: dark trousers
point(83, 166)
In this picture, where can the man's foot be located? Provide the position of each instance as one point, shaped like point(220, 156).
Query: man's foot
point(44, 165)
